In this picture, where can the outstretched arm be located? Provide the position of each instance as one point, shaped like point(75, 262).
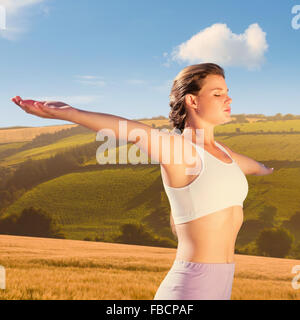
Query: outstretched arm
point(146, 138)
point(91, 120)
point(248, 165)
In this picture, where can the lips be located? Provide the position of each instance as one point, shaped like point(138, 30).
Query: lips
point(227, 110)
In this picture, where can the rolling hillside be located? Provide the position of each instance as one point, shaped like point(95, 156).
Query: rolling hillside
point(94, 201)
point(279, 137)
point(97, 202)
point(24, 134)
point(48, 150)
point(27, 134)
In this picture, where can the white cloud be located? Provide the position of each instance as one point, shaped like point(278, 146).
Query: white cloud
point(89, 77)
point(13, 6)
point(91, 80)
point(82, 100)
point(220, 45)
point(16, 22)
point(98, 83)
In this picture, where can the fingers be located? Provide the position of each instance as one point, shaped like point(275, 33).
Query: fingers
point(22, 103)
point(31, 107)
point(16, 100)
point(27, 105)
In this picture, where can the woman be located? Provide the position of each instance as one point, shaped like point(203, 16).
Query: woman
point(207, 205)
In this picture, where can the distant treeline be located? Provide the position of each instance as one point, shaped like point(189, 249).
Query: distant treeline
point(239, 132)
point(138, 234)
point(241, 118)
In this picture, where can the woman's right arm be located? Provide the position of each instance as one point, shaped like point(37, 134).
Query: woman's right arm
point(148, 139)
point(144, 136)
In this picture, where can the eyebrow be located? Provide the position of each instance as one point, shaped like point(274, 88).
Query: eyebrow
point(218, 89)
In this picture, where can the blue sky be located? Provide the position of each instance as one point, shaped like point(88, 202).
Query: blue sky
point(118, 56)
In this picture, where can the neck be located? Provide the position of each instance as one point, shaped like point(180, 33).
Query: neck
point(200, 135)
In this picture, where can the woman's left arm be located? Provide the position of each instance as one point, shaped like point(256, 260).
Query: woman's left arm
point(248, 165)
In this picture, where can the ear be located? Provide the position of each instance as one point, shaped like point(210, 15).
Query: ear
point(191, 101)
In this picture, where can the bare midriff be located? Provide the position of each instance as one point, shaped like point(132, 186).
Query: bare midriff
point(210, 239)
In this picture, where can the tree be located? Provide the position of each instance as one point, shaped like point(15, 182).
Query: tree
point(288, 116)
point(249, 231)
point(135, 234)
point(139, 234)
point(293, 225)
point(31, 222)
point(267, 215)
point(241, 118)
point(274, 242)
point(295, 220)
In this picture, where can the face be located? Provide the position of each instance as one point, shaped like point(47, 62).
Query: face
point(212, 102)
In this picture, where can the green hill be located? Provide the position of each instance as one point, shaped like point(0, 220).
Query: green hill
point(253, 145)
point(96, 202)
point(13, 145)
point(49, 150)
point(265, 147)
point(265, 126)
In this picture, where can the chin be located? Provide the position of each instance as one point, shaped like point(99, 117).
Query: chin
point(226, 120)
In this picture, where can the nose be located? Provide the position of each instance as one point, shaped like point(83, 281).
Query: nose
point(229, 99)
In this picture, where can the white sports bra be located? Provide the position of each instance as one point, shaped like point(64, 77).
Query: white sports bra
point(218, 186)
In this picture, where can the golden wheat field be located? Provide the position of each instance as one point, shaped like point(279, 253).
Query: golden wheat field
point(39, 268)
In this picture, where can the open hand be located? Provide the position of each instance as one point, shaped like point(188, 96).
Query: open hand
point(45, 109)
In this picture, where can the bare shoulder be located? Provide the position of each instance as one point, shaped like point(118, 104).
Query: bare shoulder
point(185, 164)
point(181, 152)
point(230, 151)
point(247, 164)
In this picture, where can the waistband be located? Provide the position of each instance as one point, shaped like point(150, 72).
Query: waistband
point(203, 265)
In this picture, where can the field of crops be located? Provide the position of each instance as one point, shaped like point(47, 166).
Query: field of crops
point(48, 269)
